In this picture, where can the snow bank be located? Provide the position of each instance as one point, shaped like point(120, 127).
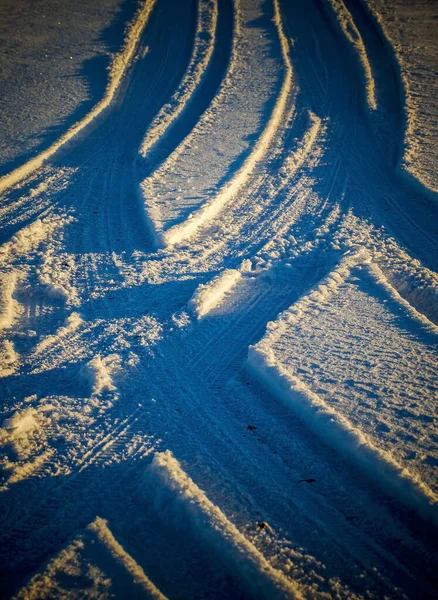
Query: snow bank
point(210, 295)
point(212, 208)
point(201, 55)
point(100, 566)
point(119, 65)
point(352, 33)
point(216, 529)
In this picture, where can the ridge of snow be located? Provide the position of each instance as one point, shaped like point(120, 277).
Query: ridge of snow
point(353, 35)
point(201, 55)
point(215, 527)
point(212, 208)
point(209, 295)
point(120, 63)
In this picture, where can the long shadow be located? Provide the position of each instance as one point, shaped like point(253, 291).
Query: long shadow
point(201, 98)
point(172, 556)
point(95, 73)
point(331, 79)
point(389, 121)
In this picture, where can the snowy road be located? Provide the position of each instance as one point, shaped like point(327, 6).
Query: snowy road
point(219, 323)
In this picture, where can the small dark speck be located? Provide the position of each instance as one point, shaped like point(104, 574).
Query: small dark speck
point(310, 480)
point(252, 427)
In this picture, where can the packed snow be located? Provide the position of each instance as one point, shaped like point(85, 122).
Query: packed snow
point(218, 299)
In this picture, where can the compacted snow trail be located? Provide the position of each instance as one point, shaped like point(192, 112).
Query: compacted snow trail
point(218, 322)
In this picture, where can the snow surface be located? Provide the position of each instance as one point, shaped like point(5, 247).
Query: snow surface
point(410, 26)
point(54, 58)
point(219, 302)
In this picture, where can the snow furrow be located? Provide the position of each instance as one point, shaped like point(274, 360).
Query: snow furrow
point(215, 528)
point(201, 56)
point(102, 568)
point(118, 68)
point(353, 35)
point(212, 208)
point(331, 421)
point(411, 35)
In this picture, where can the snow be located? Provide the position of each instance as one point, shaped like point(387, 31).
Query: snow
point(9, 307)
point(98, 372)
point(8, 358)
point(208, 296)
point(211, 522)
point(411, 29)
point(218, 301)
point(352, 33)
point(119, 64)
point(52, 55)
point(213, 207)
point(201, 56)
point(99, 567)
point(351, 413)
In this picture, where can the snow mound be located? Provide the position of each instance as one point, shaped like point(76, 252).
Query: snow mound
point(210, 295)
point(99, 372)
point(21, 423)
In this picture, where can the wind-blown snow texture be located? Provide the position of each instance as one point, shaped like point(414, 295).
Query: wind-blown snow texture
point(219, 301)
